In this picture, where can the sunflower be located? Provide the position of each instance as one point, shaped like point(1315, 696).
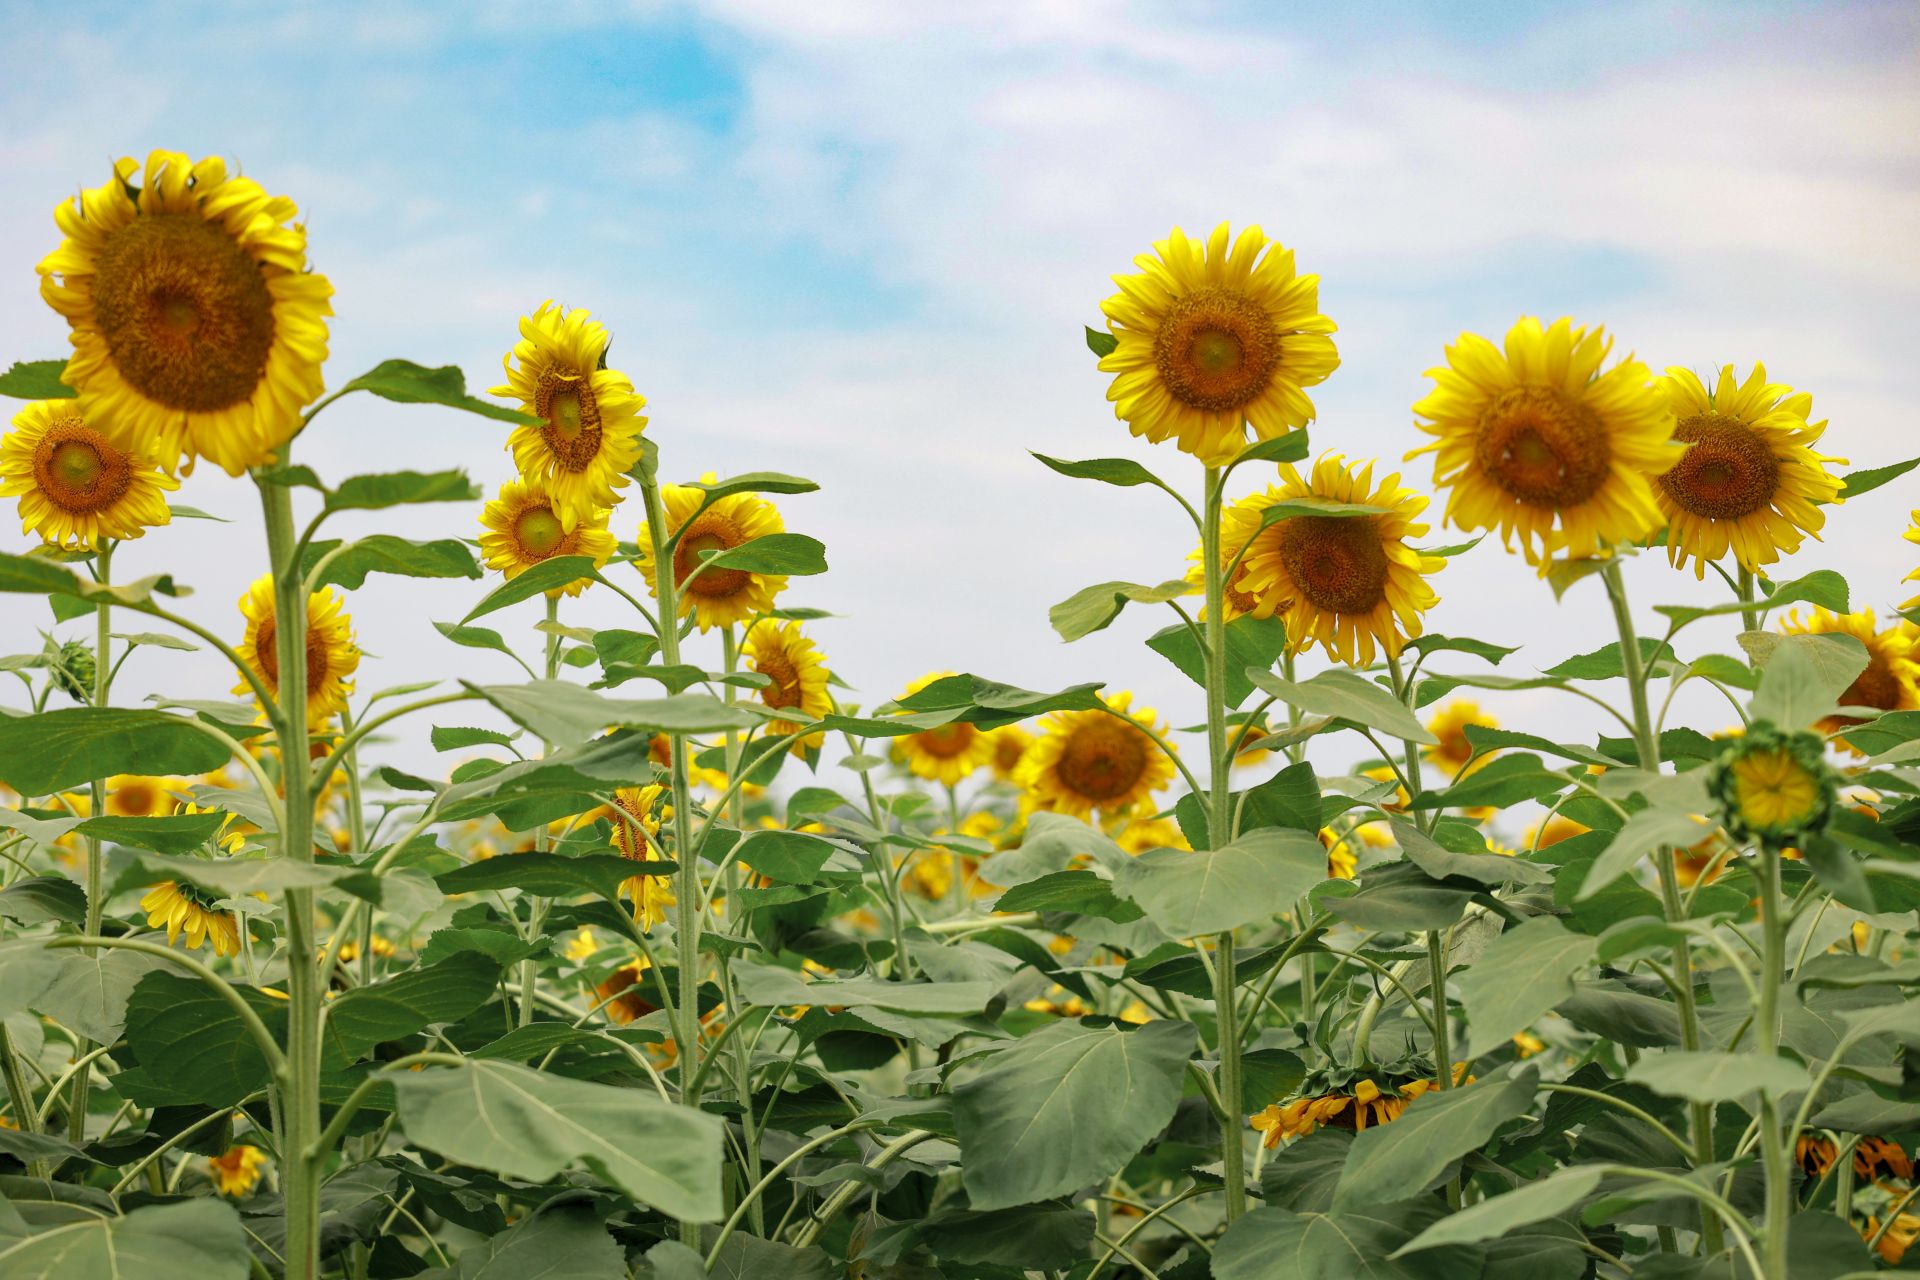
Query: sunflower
point(1749, 478)
point(76, 487)
point(236, 1171)
point(1010, 743)
point(184, 908)
point(1239, 526)
point(1555, 829)
point(796, 673)
point(1363, 1102)
point(524, 528)
point(1891, 681)
point(637, 816)
point(1095, 761)
point(1142, 834)
point(946, 754)
point(1344, 581)
point(197, 329)
point(135, 796)
point(1450, 723)
point(1912, 535)
point(1772, 786)
point(1212, 339)
point(1539, 443)
point(591, 414)
point(332, 655)
point(619, 992)
point(715, 597)
point(1341, 859)
point(582, 945)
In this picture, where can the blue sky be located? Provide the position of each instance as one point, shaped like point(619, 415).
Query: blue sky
point(857, 241)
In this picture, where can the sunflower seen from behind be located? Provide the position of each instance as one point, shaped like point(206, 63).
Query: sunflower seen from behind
point(76, 487)
point(524, 527)
point(1352, 584)
point(797, 676)
point(948, 753)
point(1104, 762)
point(713, 597)
point(1541, 443)
point(1750, 481)
point(332, 655)
point(1891, 680)
point(184, 909)
point(588, 436)
point(1211, 338)
point(637, 817)
point(197, 329)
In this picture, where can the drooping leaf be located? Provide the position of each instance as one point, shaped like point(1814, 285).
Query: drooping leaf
point(400, 488)
point(548, 575)
point(563, 1241)
point(201, 1237)
point(1080, 892)
point(1709, 1076)
point(434, 993)
point(1346, 696)
point(1094, 608)
point(1495, 1217)
point(192, 1046)
point(383, 553)
point(1436, 1128)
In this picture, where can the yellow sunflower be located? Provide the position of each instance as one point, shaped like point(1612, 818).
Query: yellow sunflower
point(1010, 743)
point(1090, 761)
point(1344, 581)
point(332, 655)
point(715, 597)
point(134, 796)
point(236, 1171)
point(197, 329)
point(1239, 526)
point(524, 527)
point(1141, 834)
point(1913, 535)
point(1212, 339)
point(228, 835)
point(1891, 681)
point(797, 674)
point(1450, 724)
point(183, 908)
point(1342, 860)
point(947, 754)
point(637, 816)
point(591, 436)
point(76, 487)
point(621, 992)
point(1540, 444)
point(1749, 479)
point(1772, 786)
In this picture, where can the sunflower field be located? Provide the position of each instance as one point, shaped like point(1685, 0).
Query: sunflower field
point(695, 960)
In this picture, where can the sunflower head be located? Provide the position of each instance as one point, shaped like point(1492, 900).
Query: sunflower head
point(1010, 743)
point(1749, 480)
point(588, 436)
point(77, 487)
point(1453, 752)
point(1539, 442)
point(713, 597)
point(620, 992)
point(524, 526)
point(136, 796)
point(1773, 787)
point(197, 329)
point(637, 817)
point(183, 908)
point(236, 1171)
point(797, 676)
point(1342, 861)
point(1891, 680)
point(1213, 338)
point(1107, 762)
point(946, 754)
point(332, 655)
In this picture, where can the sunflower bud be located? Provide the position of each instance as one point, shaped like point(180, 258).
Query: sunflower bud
point(71, 668)
point(1773, 787)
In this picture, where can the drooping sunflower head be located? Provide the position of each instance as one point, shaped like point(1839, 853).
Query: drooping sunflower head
point(637, 815)
point(1453, 752)
point(1342, 860)
point(136, 796)
point(1749, 480)
point(197, 329)
point(180, 908)
point(796, 673)
point(715, 597)
point(1106, 762)
point(524, 527)
point(1542, 444)
point(621, 993)
point(948, 753)
point(236, 1171)
point(1346, 1098)
point(1347, 582)
point(1773, 787)
point(589, 433)
point(1213, 338)
point(1891, 681)
point(76, 487)
point(332, 655)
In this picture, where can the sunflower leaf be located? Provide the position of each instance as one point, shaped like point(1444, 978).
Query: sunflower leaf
point(1523, 973)
point(1823, 587)
point(1349, 697)
point(753, 482)
point(1278, 1244)
point(1496, 1217)
point(45, 753)
point(1310, 505)
point(1802, 677)
point(562, 712)
point(1256, 877)
point(548, 575)
point(1252, 644)
point(202, 1238)
point(398, 488)
point(1291, 447)
point(40, 380)
point(1858, 482)
point(405, 382)
point(794, 554)
point(1437, 1128)
point(1123, 472)
point(1101, 344)
point(1094, 608)
point(348, 566)
point(1709, 1076)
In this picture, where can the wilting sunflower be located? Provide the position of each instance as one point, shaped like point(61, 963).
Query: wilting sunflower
point(1088, 762)
point(1773, 787)
point(1749, 479)
point(591, 414)
point(1453, 752)
point(1344, 581)
point(797, 676)
point(524, 527)
point(1891, 681)
point(715, 597)
point(1873, 1157)
point(620, 992)
point(1351, 1106)
point(1010, 743)
point(75, 486)
point(184, 908)
point(1539, 443)
point(1211, 339)
point(332, 655)
point(637, 816)
point(946, 754)
point(236, 1171)
point(197, 329)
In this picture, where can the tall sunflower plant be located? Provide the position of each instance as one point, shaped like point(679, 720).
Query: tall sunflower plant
point(689, 961)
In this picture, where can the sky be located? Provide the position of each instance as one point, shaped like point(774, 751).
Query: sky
point(858, 242)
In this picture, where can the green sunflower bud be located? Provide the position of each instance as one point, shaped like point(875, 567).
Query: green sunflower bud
point(1773, 787)
point(72, 670)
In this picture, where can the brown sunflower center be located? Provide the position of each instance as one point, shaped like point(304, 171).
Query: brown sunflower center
point(266, 649)
point(184, 310)
point(709, 533)
point(1727, 472)
point(1875, 687)
point(135, 798)
point(539, 533)
point(77, 470)
point(783, 689)
point(573, 418)
point(1103, 759)
point(1543, 447)
point(947, 741)
point(1216, 349)
point(1337, 562)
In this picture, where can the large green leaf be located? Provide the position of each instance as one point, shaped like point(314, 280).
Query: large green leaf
point(1438, 1128)
point(1123, 472)
point(1523, 973)
point(1066, 1106)
point(45, 753)
point(1640, 835)
point(524, 1123)
point(1802, 677)
point(409, 383)
point(201, 1238)
point(1709, 1076)
point(1256, 877)
point(443, 992)
point(1357, 1244)
point(41, 899)
point(1858, 482)
point(90, 992)
point(1823, 587)
point(748, 1257)
point(1094, 608)
point(1079, 892)
point(558, 711)
point(383, 553)
point(1252, 643)
point(550, 875)
point(36, 380)
point(564, 1241)
point(1493, 1218)
point(771, 985)
point(1346, 696)
point(794, 554)
point(548, 575)
point(191, 1044)
point(399, 488)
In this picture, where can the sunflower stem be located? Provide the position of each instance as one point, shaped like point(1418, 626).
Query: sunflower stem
point(1699, 1114)
point(536, 906)
point(96, 866)
point(1749, 618)
point(742, 1051)
point(1776, 1143)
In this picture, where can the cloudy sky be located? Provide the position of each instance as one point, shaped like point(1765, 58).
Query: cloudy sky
point(858, 241)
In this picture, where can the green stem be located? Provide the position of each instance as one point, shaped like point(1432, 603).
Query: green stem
point(737, 913)
point(537, 906)
point(1776, 1144)
point(20, 1096)
point(96, 863)
point(1749, 618)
